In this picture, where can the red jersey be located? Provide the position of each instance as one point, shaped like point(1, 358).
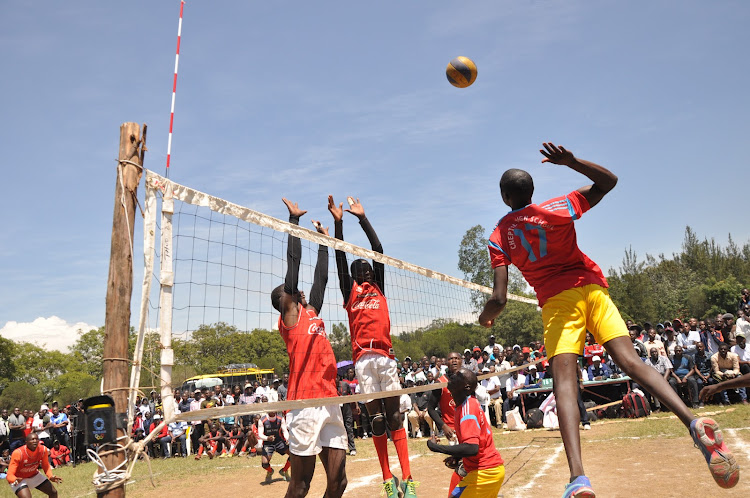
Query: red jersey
point(60, 456)
point(312, 365)
point(473, 428)
point(447, 405)
point(29, 423)
point(25, 463)
point(541, 241)
point(591, 350)
point(369, 321)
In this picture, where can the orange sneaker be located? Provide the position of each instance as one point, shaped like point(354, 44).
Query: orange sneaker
point(722, 464)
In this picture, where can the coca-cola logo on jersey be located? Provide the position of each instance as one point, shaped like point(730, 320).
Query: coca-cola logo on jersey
point(317, 328)
point(368, 304)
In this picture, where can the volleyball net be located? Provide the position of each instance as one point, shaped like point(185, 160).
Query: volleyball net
point(209, 261)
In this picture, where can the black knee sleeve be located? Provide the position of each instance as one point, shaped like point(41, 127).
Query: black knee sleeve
point(266, 465)
point(377, 421)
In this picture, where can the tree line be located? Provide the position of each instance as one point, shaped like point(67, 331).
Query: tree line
point(703, 279)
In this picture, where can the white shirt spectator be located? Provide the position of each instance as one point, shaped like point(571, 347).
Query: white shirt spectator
point(272, 395)
point(514, 383)
point(261, 391)
point(504, 365)
point(742, 353)
point(405, 403)
point(195, 405)
point(491, 384)
point(743, 326)
point(176, 429)
point(38, 423)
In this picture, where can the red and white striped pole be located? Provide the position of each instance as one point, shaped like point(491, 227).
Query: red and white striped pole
point(174, 87)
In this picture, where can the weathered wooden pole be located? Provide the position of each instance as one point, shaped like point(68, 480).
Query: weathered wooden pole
point(120, 283)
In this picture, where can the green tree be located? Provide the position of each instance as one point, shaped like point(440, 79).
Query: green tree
point(88, 351)
point(21, 394)
point(73, 386)
point(341, 342)
point(7, 364)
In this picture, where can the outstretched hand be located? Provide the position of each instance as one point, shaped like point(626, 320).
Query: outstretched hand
point(708, 392)
point(294, 210)
point(319, 227)
point(336, 211)
point(557, 154)
point(356, 208)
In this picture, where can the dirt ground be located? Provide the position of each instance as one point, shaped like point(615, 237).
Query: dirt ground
point(665, 465)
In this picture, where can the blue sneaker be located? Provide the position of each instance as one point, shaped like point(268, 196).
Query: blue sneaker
point(580, 488)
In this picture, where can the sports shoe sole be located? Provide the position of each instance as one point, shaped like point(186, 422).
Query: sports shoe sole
point(722, 464)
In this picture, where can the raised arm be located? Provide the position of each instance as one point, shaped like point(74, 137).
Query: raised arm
point(320, 279)
point(293, 256)
point(378, 268)
point(342, 267)
point(604, 180)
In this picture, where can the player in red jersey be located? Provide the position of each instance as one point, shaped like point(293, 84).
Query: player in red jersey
point(23, 471)
point(443, 400)
point(572, 291)
point(372, 352)
point(481, 465)
point(312, 373)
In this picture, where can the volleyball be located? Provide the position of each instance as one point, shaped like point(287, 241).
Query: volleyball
point(461, 72)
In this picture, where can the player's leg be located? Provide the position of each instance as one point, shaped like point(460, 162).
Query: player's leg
point(334, 463)
point(565, 387)
point(366, 368)
point(265, 461)
point(303, 469)
point(389, 381)
point(47, 488)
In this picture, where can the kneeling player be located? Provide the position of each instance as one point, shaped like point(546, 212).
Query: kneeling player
point(23, 471)
point(483, 468)
point(274, 434)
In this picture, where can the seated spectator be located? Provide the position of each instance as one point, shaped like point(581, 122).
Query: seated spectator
point(597, 370)
point(702, 368)
point(486, 361)
point(725, 366)
point(689, 336)
point(662, 365)
point(178, 438)
point(682, 375)
point(162, 438)
point(59, 455)
point(213, 442)
point(4, 463)
point(494, 389)
point(533, 377)
point(743, 355)
point(653, 341)
point(591, 349)
point(515, 382)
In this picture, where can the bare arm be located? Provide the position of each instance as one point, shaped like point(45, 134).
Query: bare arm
point(709, 391)
point(499, 298)
point(604, 180)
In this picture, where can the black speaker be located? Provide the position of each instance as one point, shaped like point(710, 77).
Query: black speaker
point(99, 412)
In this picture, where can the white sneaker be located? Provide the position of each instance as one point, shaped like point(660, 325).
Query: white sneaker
point(419, 434)
point(353, 453)
point(587, 427)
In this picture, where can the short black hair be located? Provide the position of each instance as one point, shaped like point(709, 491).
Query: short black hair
point(276, 297)
point(517, 183)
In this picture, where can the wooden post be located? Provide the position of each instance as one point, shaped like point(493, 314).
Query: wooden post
point(120, 282)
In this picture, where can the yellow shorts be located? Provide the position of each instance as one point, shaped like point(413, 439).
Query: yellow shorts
point(568, 315)
point(481, 483)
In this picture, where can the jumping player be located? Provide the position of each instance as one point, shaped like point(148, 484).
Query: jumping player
point(312, 373)
point(23, 471)
point(482, 466)
point(273, 432)
point(572, 291)
point(372, 352)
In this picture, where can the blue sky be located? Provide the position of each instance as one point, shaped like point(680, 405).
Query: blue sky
point(304, 99)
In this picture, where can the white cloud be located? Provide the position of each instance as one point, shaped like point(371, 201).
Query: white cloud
point(49, 333)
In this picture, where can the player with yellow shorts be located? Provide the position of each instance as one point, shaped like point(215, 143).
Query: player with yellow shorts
point(572, 291)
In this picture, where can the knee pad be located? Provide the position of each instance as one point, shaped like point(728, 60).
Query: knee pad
point(377, 421)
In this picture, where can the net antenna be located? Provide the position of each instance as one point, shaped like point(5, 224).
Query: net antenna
point(219, 262)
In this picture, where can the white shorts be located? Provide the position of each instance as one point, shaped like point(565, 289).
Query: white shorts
point(30, 482)
point(314, 428)
point(377, 373)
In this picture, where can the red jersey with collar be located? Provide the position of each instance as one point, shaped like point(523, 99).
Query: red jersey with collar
point(541, 241)
point(447, 405)
point(25, 463)
point(473, 428)
point(369, 322)
point(312, 365)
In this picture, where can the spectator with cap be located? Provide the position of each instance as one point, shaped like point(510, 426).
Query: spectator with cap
point(533, 377)
point(724, 366)
point(491, 346)
point(728, 329)
point(406, 366)
point(162, 437)
point(597, 370)
point(515, 382)
point(683, 375)
point(486, 361)
point(476, 353)
point(469, 362)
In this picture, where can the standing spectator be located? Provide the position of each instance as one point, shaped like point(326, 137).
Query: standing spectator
point(347, 411)
point(476, 353)
point(639, 347)
point(59, 425)
point(184, 403)
point(4, 431)
point(728, 329)
point(28, 416)
point(40, 425)
point(743, 321)
point(682, 374)
point(744, 299)
point(691, 337)
point(16, 426)
point(272, 392)
point(592, 349)
point(653, 341)
point(406, 366)
point(725, 366)
point(197, 428)
point(710, 337)
point(282, 389)
point(490, 348)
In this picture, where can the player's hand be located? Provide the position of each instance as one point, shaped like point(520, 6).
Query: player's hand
point(708, 392)
point(356, 208)
point(557, 155)
point(448, 431)
point(272, 438)
point(294, 210)
point(432, 442)
point(337, 212)
point(56, 479)
point(485, 322)
point(319, 227)
point(452, 462)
